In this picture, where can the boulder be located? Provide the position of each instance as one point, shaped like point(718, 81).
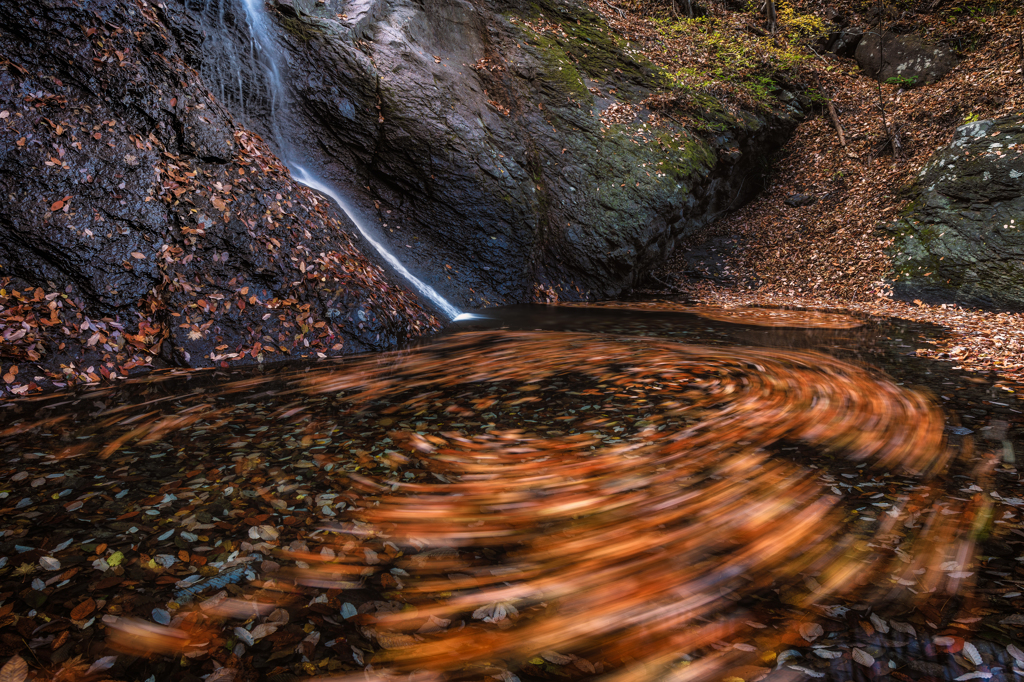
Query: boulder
point(846, 42)
point(798, 200)
point(836, 17)
point(962, 238)
point(910, 60)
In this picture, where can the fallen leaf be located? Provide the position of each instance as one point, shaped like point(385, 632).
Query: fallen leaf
point(555, 657)
point(101, 664)
point(14, 670)
point(905, 628)
point(863, 657)
point(84, 609)
point(263, 630)
point(806, 671)
point(811, 631)
point(826, 653)
point(244, 636)
point(970, 652)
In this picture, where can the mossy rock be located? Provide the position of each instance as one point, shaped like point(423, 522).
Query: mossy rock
point(961, 239)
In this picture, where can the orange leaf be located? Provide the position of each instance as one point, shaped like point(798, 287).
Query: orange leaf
point(61, 640)
point(57, 205)
point(84, 609)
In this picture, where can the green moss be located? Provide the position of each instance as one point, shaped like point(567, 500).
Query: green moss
point(300, 29)
point(588, 48)
point(560, 72)
point(744, 64)
point(685, 156)
point(913, 254)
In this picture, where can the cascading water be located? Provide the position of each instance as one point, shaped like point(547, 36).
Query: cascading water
point(266, 100)
point(306, 178)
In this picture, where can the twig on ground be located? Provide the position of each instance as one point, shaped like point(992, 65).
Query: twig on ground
point(621, 12)
point(835, 122)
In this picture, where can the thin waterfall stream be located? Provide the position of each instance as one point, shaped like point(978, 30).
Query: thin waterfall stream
point(262, 54)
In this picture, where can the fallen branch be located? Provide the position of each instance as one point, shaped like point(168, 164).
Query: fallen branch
point(622, 13)
point(835, 122)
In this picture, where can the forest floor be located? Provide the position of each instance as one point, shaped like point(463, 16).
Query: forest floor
point(832, 254)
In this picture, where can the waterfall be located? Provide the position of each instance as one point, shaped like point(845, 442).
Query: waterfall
point(303, 176)
point(268, 99)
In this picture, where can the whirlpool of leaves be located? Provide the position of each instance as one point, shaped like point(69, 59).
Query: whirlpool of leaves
point(502, 504)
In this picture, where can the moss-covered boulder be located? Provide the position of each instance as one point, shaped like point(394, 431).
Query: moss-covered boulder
point(906, 60)
point(962, 238)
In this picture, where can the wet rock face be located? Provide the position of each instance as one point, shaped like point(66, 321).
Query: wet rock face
point(141, 225)
point(501, 147)
point(910, 58)
point(473, 133)
point(962, 240)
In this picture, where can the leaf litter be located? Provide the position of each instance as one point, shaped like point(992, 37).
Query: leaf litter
point(563, 502)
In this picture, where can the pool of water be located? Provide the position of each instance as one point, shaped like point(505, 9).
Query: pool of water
point(644, 490)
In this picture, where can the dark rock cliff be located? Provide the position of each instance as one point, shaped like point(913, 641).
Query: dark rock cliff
point(141, 226)
point(511, 145)
point(505, 151)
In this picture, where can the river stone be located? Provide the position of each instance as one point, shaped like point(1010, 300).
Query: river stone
point(798, 200)
point(475, 140)
point(962, 238)
point(888, 55)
